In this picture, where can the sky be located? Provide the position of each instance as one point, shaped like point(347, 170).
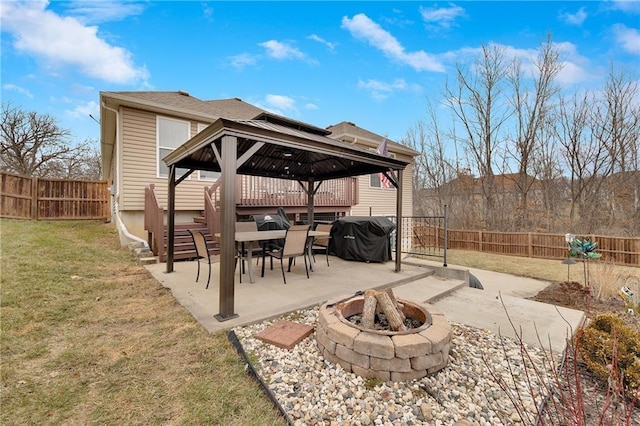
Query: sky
point(371, 63)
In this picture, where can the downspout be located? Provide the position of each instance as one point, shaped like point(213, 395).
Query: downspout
point(119, 223)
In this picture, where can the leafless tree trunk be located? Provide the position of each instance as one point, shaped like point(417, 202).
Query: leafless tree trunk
point(476, 102)
point(531, 106)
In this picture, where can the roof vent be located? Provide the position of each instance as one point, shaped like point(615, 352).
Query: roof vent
point(183, 92)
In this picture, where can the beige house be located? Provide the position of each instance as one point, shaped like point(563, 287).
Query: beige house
point(138, 129)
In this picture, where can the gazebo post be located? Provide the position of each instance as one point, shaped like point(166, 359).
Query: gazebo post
point(227, 229)
point(399, 221)
point(171, 217)
point(310, 201)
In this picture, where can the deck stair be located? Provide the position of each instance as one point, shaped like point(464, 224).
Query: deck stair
point(183, 246)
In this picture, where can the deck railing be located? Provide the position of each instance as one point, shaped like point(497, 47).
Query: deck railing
point(154, 221)
point(211, 210)
point(262, 191)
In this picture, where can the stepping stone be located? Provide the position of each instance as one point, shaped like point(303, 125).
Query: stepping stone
point(284, 334)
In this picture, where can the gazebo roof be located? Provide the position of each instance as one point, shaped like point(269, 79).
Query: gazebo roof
point(276, 147)
point(271, 146)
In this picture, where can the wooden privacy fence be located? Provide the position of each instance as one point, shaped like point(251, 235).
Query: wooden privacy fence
point(23, 197)
point(619, 250)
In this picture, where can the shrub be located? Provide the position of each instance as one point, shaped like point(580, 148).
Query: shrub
point(606, 340)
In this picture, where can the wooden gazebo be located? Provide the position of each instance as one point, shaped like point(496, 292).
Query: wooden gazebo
point(271, 146)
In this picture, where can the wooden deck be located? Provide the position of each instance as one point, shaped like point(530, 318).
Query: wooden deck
point(255, 196)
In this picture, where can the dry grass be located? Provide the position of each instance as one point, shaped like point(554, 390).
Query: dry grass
point(89, 337)
point(605, 277)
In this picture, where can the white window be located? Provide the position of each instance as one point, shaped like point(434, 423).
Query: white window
point(171, 133)
point(205, 174)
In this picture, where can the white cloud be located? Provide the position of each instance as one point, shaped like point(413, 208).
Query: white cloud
point(315, 37)
point(571, 73)
point(311, 106)
point(573, 64)
point(381, 90)
point(83, 109)
point(242, 60)
point(92, 11)
point(18, 89)
point(278, 50)
point(441, 17)
point(628, 6)
point(66, 41)
point(207, 12)
point(361, 27)
point(280, 103)
point(629, 38)
point(574, 18)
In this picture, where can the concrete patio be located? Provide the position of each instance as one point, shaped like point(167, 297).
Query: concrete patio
point(269, 297)
point(419, 280)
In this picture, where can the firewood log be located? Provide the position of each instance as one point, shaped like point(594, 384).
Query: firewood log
point(397, 304)
point(390, 310)
point(369, 309)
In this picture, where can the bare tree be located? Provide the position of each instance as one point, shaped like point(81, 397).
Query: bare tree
point(616, 125)
point(84, 164)
point(432, 168)
point(619, 120)
point(476, 101)
point(587, 158)
point(548, 170)
point(531, 106)
point(32, 144)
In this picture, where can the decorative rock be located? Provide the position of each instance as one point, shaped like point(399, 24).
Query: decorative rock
point(314, 388)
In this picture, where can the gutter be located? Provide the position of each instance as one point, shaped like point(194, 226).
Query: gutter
point(116, 207)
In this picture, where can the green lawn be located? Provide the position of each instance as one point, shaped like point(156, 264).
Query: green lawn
point(88, 337)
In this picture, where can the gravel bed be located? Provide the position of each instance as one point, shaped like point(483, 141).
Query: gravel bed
point(313, 391)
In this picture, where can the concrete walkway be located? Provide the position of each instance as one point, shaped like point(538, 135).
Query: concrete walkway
point(419, 280)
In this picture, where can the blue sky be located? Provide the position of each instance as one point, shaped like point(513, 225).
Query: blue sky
point(371, 63)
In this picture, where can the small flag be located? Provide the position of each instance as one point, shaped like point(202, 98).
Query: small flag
point(383, 150)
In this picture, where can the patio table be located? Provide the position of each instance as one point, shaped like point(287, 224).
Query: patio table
point(253, 237)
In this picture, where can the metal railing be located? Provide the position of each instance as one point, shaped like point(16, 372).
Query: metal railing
point(424, 235)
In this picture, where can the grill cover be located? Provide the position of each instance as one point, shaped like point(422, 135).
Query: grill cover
point(362, 238)
point(271, 222)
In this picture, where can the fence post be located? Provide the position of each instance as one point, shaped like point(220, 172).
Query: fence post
point(480, 241)
point(530, 248)
point(34, 198)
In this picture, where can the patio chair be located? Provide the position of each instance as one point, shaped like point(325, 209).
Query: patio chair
point(295, 244)
point(249, 226)
point(321, 242)
point(202, 252)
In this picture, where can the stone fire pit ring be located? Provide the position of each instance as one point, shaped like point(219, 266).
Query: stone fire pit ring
point(395, 356)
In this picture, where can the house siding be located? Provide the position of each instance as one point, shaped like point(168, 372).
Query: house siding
point(381, 201)
point(139, 165)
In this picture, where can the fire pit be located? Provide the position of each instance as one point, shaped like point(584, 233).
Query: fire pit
point(402, 354)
